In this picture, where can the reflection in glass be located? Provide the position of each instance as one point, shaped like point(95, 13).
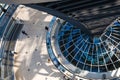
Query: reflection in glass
point(99, 54)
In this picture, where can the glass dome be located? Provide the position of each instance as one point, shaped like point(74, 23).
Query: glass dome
point(97, 54)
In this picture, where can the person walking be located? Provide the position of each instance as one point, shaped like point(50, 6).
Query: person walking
point(23, 32)
point(46, 28)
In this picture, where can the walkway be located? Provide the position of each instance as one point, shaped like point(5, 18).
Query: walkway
point(31, 62)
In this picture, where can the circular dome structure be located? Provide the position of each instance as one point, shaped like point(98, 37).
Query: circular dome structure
point(99, 54)
point(74, 51)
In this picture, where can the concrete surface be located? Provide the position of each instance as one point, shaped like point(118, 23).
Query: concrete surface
point(31, 60)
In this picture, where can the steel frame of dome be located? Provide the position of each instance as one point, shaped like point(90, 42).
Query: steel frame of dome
point(62, 64)
point(77, 46)
point(65, 12)
point(89, 15)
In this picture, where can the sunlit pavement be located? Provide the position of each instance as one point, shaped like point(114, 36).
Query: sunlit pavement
point(31, 61)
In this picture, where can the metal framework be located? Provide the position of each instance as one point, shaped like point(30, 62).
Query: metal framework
point(90, 15)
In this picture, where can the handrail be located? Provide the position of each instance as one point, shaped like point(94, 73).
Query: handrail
point(58, 65)
point(10, 10)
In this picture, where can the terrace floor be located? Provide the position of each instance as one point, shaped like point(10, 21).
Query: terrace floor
point(31, 61)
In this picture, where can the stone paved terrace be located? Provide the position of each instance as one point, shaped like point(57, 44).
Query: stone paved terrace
point(31, 60)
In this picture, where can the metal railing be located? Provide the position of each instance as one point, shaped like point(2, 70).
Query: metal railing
point(5, 22)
